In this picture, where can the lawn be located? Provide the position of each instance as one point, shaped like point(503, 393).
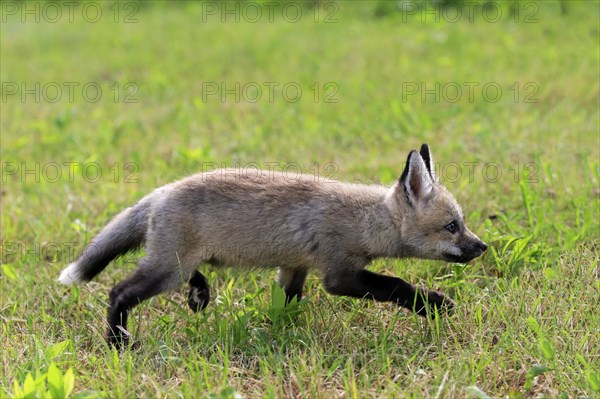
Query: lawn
point(104, 101)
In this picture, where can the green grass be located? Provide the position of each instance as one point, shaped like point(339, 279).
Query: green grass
point(530, 301)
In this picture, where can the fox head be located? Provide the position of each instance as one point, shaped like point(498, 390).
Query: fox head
point(430, 221)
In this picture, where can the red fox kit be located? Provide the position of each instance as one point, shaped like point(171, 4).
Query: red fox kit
point(265, 219)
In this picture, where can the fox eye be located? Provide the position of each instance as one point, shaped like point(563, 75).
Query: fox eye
point(452, 227)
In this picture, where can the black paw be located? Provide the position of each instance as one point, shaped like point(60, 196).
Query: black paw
point(121, 340)
point(433, 302)
point(199, 295)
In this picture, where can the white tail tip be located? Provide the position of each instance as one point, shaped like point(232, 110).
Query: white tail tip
point(69, 275)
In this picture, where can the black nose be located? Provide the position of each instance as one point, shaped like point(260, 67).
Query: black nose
point(482, 246)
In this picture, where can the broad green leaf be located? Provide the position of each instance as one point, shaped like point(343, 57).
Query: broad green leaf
point(69, 382)
point(17, 392)
point(277, 296)
point(55, 381)
point(534, 325)
point(546, 349)
point(593, 379)
point(29, 387)
point(56, 349)
point(9, 271)
point(40, 383)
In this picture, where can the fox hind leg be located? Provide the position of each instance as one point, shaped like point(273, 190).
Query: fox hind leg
point(148, 280)
point(199, 294)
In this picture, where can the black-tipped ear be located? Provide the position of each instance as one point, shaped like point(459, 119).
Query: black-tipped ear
point(406, 167)
point(416, 180)
point(426, 155)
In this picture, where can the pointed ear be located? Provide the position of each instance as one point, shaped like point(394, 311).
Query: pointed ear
point(416, 180)
point(426, 155)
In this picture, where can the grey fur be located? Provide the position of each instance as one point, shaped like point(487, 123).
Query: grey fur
point(253, 218)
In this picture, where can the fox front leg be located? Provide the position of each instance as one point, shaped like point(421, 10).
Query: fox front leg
point(199, 294)
point(369, 285)
point(292, 281)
